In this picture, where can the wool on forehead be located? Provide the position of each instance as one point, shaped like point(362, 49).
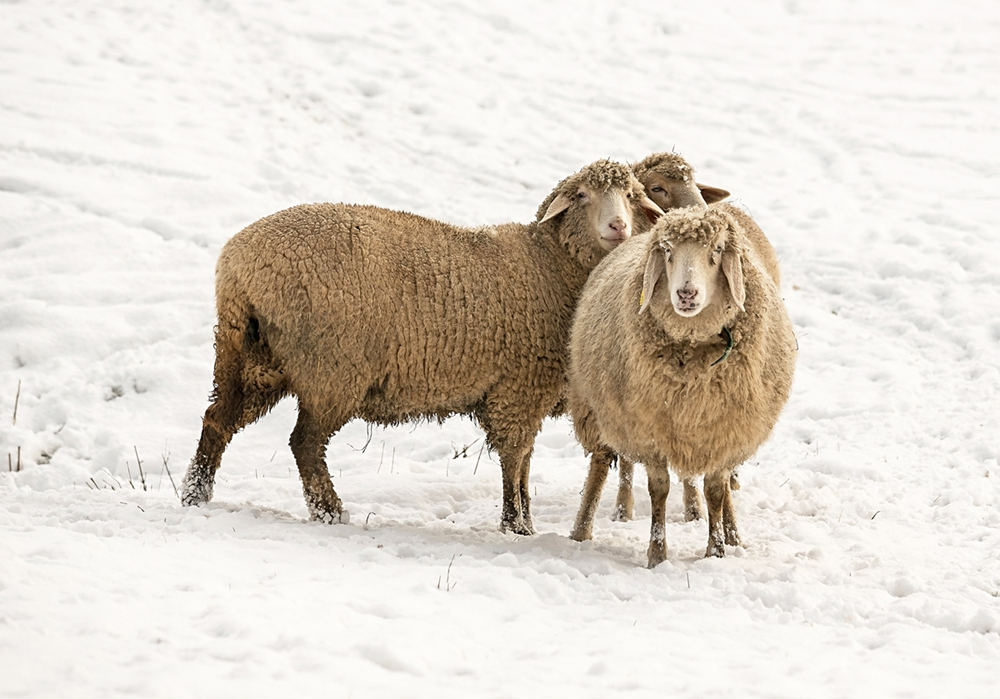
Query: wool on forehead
point(693, 224)
point(669, 165)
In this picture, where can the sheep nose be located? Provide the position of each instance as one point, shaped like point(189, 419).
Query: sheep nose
point(686, 294)
point(618, 226)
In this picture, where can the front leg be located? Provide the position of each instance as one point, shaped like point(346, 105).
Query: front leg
point(308, 443)
point(659, 487)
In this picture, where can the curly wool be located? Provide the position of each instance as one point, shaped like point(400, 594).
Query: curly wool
point(363, 312)
point(669, 165)
point(620, 358)
point(708, 226)
point(599, 176)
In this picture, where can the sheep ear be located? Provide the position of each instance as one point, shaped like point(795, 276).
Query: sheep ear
point(712, 194)
point(733, 269)
point(654, 268)
point(558, 205)
point(650, 208)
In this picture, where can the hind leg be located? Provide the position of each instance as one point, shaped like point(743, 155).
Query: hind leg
point(198, 485)
point(692, 501)
point(510, 429)
point(240, 396)
point(308, 443)
point(721, 515)
point(625, 500)
point(600, 463)
point(525, 495)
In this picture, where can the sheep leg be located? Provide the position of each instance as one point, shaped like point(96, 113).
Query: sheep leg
point(625, 501)
point(721, 516)
point(525, 495)
point(198, 485)
point(515, 455)
point(659, 487)
point(510, 429)
point(516, 514)
point(308, 443)
point(600, 463)
point(244, 390)
point(729, 513)
point(692, 501)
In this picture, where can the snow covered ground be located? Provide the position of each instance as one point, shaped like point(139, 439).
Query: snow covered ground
point(135, 138)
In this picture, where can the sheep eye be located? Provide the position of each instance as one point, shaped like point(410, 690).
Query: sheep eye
point(629, 195)
point(656, 189)
point(581, 195)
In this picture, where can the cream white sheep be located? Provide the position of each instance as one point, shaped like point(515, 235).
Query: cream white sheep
point(362, 312)
point(681, 356)
point(669, 181)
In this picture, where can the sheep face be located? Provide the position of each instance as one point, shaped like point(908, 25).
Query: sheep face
point(670, 193)
point(609, 212)
point(669, 181)
point(701, 267)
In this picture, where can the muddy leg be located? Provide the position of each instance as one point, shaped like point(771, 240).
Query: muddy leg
point(308, 443)
point(624, 501)
point(600, 462)
point(246, 386)
point(659, 487)
point(721, 518)
point(692, 500)
point(513, 438)
point(516, 515)
point(729, 528)
point(198, 485)
point(525, 495)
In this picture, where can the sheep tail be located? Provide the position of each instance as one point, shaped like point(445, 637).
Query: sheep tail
point(248, 381)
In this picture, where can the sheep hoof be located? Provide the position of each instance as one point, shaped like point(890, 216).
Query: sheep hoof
point(196, 492)
point(517, 526)
point(581, 534)
point(692, 513)
point(656, 555)
point(621, 514)
point(715, 550)
point(340, 516)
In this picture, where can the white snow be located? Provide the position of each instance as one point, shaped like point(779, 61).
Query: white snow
point(136, 137)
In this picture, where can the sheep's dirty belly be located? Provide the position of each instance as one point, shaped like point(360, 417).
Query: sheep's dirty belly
point(393, 403)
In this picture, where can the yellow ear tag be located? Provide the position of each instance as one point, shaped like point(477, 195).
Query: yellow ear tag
point(642, 297)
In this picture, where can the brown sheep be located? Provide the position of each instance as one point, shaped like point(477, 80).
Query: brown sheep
point(669, 181)
point(362, 312)
point(690, 372)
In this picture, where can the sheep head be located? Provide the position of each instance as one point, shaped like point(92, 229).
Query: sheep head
point(604, 199)
point(669, 181)
point(698, 252)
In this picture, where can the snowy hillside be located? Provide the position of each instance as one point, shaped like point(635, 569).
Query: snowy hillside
point(136, 138)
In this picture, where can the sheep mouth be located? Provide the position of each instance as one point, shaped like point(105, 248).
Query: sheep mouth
point(613, 242)
point(687, 309)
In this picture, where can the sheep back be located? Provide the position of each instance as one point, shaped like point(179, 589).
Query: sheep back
point(399, 315)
